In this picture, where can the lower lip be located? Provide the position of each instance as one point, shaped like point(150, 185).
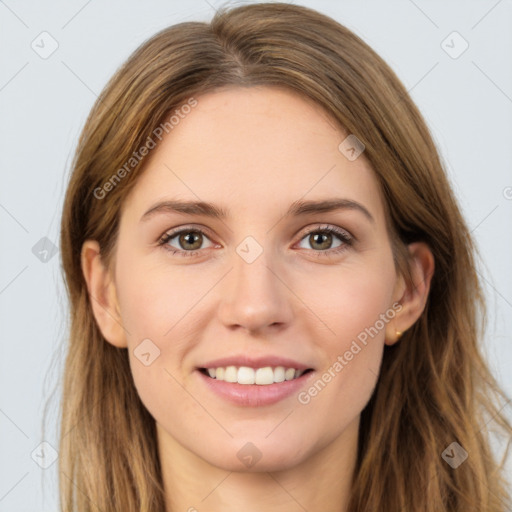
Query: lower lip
point(255, 395)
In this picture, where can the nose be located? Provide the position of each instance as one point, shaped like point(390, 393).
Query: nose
point(255, 296)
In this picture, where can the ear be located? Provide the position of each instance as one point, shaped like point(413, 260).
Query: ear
point(412, 296)
point(102, 295)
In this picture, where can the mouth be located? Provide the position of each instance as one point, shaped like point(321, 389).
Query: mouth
point(246, 386)
point(246, 375)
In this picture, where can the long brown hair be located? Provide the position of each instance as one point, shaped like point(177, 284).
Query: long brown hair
point(434, 388)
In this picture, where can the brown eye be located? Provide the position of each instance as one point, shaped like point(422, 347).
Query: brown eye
point(190, 240)
point(186, 242)
point(322, 240)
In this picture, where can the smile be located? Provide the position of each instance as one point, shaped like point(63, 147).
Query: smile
point(247, 376)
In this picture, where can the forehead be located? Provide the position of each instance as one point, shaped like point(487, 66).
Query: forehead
point(254, 150)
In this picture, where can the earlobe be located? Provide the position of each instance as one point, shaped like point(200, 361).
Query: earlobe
point(102, 295)
point(415, 293)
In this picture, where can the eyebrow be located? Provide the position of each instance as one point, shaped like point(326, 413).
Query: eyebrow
point(297, 208)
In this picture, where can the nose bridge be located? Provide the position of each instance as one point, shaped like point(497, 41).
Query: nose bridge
point(255, 297)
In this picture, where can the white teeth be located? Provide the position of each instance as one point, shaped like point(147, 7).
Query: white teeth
point(230, 375)
point(280, 374)
point(261, 376)
point(289, 374)
point(264, 376)
point(245, 375)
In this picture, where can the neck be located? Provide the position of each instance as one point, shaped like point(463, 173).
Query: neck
point(321, 481)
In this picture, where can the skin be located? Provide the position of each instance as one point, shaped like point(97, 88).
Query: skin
point(254, 151)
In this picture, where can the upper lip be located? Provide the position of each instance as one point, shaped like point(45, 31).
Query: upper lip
point(255, 362)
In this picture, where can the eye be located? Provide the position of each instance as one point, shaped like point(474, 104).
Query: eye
point(321, 240)
point(189, 241)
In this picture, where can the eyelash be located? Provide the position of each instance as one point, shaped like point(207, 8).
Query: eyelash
point(341, 234)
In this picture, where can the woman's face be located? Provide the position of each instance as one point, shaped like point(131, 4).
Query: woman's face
point(258, 282)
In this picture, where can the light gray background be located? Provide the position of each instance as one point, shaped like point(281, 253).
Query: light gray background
point(466, 101)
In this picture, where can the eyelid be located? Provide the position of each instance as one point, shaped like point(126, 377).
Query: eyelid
point(188, 227)
point(174, 232)
point(205, 230)
point(345, 236)
point(341, 232)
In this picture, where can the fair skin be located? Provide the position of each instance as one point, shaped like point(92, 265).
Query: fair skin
point(253, 152)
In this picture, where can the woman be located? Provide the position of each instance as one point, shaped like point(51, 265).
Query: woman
point(219, 358)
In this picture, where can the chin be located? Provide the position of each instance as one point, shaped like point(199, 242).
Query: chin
point(258, 456)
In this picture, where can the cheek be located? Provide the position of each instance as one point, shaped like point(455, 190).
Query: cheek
point(359, 306)
point(158, 305)
point(155, 301)
point(356, 306)
point(351, 299)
